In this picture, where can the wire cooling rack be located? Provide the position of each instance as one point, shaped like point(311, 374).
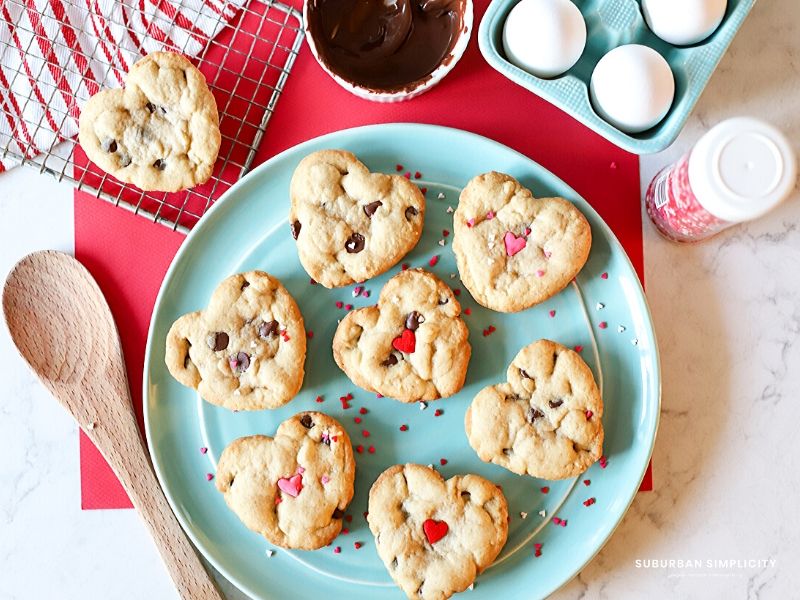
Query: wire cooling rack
point(246, 66)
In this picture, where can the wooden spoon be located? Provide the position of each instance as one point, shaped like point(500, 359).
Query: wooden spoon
point(62, 326)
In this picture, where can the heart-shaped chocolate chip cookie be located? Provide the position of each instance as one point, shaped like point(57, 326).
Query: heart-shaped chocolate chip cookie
point(411, 346)
point(294, 488)
point(350, 224)
point(514, 250)
point(545, 421)
point(246, 350)
point(159, 132)
point(436, 536)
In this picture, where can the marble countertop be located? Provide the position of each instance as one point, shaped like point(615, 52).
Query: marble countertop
point(727, 315)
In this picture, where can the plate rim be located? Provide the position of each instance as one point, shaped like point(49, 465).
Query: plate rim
point(206, 222)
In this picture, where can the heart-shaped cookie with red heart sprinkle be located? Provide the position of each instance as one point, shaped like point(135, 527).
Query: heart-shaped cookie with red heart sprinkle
point(294, 488)
point(514, 250)
point(351, 224)
point(436, 536)
point(411, 346)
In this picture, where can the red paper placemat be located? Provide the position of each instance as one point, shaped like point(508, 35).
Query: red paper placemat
point(129, 255)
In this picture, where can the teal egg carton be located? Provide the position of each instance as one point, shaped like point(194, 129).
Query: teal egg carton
point(612, 23)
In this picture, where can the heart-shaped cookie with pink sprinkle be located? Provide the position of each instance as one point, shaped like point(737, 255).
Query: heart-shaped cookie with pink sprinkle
point(294, 488)
point(411, 346)
point(514, 250)
point(435, 536)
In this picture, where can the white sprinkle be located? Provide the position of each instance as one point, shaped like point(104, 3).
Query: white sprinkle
point(270, 552)
point(600, 306)
point(488, 260)
point(452, 275)
point(253, 344)
point(621, 328)
point(441, 242)
point(423, 405)
point(449, 210)
point(91, 426)
point(542, 513)
point(523, 515)
point(430, 465)
point(440, 196)
point(635, 341)
point(237, 393)
point(471, 587)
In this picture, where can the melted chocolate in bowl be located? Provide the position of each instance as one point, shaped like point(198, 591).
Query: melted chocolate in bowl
point(388, 46)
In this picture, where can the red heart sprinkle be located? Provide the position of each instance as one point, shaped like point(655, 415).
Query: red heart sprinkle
point(603, 325)
point(404, 266)
point(357, 545)
point(365, 433)
point(310, 334)
point(339, 304)
point(371, 449)
point(434, 530)
point(545, 489)
point(403, 427)
point(434, 259)
point(357, 420)
point(443, 461)
point(348, 518)
point(407, 174)
point(587, 482)
point(578, 348)
point(417, 175)
point(438, 412)
point(345, 531)
point(363, 410)
point(604, 276)
point(337, 550)
point(457, 291)
point(589, 414)
point(407, 342)
point(319, 398)
point(445, 232)
point(398, 167)
point(359, 448)
point(467, 311)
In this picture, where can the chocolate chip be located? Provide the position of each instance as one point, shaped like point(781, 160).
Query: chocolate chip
point(354, 244)
point(326, 439)
point(160, 164)
point(245, 284)
point(411, 212)
point(186, 361)
point(125, 160)
point(218, 341)
point(268, 329)
point(239, 363)
point(394, 562)
point(111, 146)
point(370, 208)
point(555, 403)
point(296, 229)
point(414, 320)
point(443, 301)
point(338, 513)
point(163, 110)
point(306, 421)
point(533, 414)
point(507, 451)
point(524, 374)
point(390, 362)
point(151, 107)
point(466, 495)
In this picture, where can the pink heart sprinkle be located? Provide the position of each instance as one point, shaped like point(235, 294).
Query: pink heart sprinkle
point(547, 254)
point(209, 477)
point(538, 545)
point(540, 273)
point(203, 450)
point(470, 222)
point(490, 215)
point(337, 550)
point(339, 304)
point(292, 486)
point(513, 243)
point(604, 276)
point(527, 231)
point(552, 313)
point(324, 479)
point(301, 470)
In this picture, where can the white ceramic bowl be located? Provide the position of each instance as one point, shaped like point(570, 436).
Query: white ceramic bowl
point(424, 85)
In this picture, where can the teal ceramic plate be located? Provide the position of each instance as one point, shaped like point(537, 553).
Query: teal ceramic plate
point(248, 229)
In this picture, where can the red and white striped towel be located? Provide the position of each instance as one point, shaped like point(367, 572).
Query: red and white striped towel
point(55, 54)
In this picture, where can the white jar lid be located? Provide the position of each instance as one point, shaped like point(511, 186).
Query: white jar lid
point(741, 169)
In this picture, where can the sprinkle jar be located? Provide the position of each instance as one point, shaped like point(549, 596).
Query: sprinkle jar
point(738, 171)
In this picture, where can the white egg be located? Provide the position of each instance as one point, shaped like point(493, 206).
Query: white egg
point(683, 22)
point(632, 88)
point(544, 37)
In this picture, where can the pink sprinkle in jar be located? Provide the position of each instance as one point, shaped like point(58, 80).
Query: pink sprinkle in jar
point(738, 171)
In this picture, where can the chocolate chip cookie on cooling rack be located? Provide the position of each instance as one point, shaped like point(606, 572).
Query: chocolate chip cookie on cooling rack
point(160, 132)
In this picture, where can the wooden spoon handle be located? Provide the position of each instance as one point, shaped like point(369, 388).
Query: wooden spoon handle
point(128, 458)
